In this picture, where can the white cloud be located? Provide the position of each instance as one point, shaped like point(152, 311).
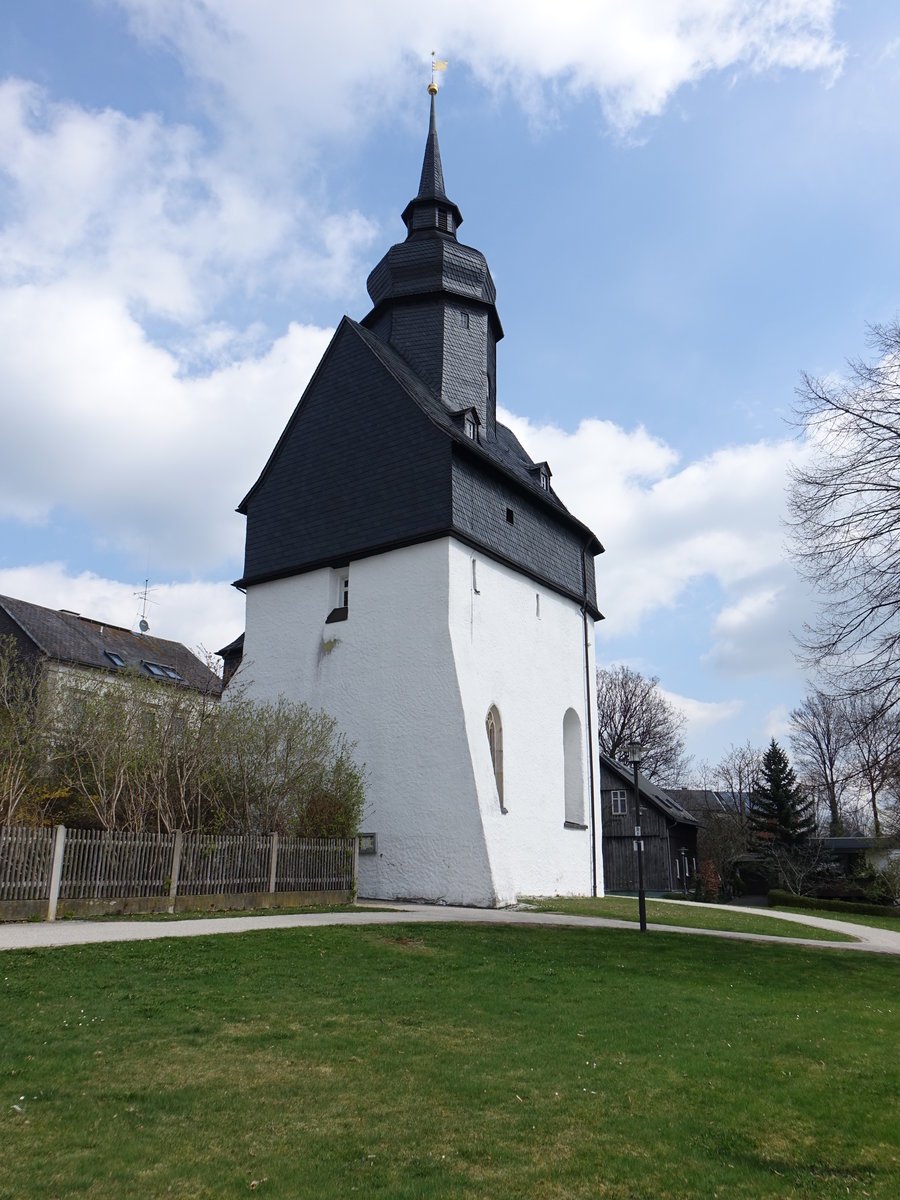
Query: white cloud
point(204, 616)
point(667, 526)
point(144, 209)
point(106, 428)
point(703, 714)
point(301, 72)
point(777, 723)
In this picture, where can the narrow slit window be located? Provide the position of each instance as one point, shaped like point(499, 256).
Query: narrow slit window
point(510, 517)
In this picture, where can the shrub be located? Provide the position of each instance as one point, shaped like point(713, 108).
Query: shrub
point(781, 899)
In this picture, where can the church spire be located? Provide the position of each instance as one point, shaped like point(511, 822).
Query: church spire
point(431, 209)
point(431, 185)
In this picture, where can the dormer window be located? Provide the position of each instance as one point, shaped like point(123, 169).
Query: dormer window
point(541, 473)
point(471, 427)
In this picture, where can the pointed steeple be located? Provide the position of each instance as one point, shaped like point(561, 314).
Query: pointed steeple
point(434, 301)
point(431, 209)
point(431, 185)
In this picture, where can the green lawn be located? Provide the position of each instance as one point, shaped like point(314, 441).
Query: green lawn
point(693, 916)
point(448, 1061)
point(887, 922)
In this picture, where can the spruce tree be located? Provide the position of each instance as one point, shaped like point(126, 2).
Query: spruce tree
point(779, 812)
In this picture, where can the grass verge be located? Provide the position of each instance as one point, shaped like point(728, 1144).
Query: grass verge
point(448, 1061)
point(689, 916)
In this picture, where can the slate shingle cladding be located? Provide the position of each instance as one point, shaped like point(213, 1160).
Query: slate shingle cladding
point(376, 456)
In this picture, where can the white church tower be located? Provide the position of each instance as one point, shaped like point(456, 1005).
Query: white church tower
point(411, 571)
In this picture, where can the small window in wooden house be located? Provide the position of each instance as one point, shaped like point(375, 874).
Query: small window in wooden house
point(619, 803)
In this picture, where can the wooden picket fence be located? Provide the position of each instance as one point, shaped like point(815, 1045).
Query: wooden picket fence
point(44, 867)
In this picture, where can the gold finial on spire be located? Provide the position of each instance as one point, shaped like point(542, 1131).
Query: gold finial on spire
point(436, 65)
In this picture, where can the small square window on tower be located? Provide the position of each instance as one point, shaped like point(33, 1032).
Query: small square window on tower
point(340, 584)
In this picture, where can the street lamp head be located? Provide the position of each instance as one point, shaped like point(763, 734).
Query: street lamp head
point(635, 753)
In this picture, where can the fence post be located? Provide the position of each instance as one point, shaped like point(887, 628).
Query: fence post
point(273, 862)
point(176, 869)
point(355, 866)
point(59, 842)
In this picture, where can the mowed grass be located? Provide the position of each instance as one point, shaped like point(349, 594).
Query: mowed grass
point(449, 1061)
point(690, 916)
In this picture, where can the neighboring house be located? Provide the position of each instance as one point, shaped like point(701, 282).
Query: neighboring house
point(412, 571)
point(855, 853)
point(704, 803)
point(68, 645)
point(668, 830)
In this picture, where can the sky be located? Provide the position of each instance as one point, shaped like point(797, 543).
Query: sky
point(685, 204)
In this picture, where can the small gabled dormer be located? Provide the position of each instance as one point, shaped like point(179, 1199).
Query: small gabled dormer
point(540, 473)
point(469, 423)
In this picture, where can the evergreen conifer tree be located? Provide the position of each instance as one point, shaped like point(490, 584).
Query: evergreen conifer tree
point(779, 812)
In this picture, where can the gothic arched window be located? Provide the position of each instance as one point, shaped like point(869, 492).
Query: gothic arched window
point(495, 744)
point(573, 776)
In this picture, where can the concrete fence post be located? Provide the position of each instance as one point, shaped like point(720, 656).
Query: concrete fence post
point(59, 843)
point(273, 862)
point(355, 866)
point(176, 868)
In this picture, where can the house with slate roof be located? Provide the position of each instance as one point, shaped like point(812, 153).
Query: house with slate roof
point(412, 571)
point(70, 646)
point(668, 830)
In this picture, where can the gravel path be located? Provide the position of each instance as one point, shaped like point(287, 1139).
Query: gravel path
point(30, 935)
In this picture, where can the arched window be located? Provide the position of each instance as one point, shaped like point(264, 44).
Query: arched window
point(495, 743)
point(573, 773)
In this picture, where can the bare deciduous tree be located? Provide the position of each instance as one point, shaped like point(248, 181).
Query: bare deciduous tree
point(874, 746)
point(820, 737)
point(737, 772)
point(632, 708)
point(845, 518)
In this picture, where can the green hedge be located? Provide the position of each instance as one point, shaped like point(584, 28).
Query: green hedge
point(780, 899)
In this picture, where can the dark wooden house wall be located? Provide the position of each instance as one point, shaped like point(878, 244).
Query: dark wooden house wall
point(663, 841)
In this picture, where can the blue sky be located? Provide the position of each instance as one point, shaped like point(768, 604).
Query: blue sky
point(684, 205)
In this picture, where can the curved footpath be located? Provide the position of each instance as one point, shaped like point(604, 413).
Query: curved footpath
point(76, 933)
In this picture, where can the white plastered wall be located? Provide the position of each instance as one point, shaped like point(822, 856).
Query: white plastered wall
point(410, 676)
point(520, 647)
point(387, 675)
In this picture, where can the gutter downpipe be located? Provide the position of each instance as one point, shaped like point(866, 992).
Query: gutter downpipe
point(590, 724)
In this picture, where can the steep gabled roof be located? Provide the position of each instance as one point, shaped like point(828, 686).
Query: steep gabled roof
point(650, 792)
point(504, 453)
point(67, 637)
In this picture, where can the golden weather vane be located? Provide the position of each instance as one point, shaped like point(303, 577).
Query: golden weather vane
point(437, 64)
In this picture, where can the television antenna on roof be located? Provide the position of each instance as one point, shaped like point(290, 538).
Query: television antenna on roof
point(144, 597)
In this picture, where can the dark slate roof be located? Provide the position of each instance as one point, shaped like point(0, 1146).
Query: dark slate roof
point(650, 792)
point(68, 637)
point(847, 844)
point(424, 266)
point(707, 802)
point(504, 451)
point(375, 455)
point(431, 183)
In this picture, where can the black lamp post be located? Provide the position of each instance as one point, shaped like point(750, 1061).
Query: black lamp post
point(635, 757)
